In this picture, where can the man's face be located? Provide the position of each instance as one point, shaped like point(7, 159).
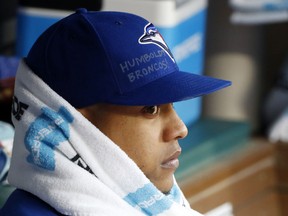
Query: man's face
point(149, 135)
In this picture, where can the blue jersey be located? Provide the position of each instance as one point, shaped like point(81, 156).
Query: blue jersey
point(26, 204)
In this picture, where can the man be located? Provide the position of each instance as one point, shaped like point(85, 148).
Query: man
point(95, 128)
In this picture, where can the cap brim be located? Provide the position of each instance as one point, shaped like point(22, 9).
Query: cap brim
point(175, 87)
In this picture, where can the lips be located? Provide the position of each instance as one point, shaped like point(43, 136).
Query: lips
point(172, 162)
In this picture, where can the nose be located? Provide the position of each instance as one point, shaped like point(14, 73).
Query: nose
point(181, 129)
point(176, 129)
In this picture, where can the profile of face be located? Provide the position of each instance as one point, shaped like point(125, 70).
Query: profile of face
point(148, 134)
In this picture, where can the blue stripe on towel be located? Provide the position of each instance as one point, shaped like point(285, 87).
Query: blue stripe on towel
point(149, 200)
point(44, 134)
point(175, 194)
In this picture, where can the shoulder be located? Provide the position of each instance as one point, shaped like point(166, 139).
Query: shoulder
point(23, 203)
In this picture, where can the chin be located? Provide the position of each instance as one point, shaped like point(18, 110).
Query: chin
point(165, 186)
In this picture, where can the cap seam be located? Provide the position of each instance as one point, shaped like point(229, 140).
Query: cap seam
point(104, 50)
point(46, 49)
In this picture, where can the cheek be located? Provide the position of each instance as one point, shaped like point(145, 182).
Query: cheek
point(144, 148)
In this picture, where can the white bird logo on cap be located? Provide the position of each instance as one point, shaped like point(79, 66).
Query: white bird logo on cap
point(152, 36)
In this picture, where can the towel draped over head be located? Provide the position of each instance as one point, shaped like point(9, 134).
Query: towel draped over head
point(67, 162)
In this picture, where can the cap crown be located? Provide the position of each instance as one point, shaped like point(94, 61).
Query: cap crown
point(95, 57)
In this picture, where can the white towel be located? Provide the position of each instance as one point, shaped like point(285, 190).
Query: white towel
point(62, 158)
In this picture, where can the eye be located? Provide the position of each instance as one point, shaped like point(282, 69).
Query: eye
point(151, 110)
point(152, 32)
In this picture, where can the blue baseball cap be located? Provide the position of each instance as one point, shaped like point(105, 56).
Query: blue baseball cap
point(113, 57)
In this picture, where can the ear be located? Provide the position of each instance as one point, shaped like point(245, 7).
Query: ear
point(89, 112)
point(83, 111)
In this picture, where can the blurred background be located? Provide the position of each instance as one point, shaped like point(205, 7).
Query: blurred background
point(235, 158)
